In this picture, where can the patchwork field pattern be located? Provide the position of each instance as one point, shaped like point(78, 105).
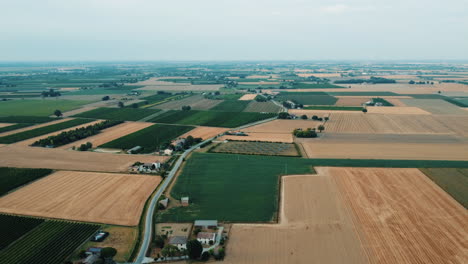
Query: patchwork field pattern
point(84, 196)
point(12, 178)
point(32, 126)
point(204, 132)
point(257, 148)
point(197, 102)
point(435, 106)
point(452, 180)
point(128, 114)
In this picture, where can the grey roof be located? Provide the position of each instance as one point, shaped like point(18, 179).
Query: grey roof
point(177, 240)
point(206, 235)
point(206, 222)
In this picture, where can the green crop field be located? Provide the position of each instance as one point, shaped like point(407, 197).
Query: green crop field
point(265, 107)
point(26, 119)
point(370, 93)
point(51, 242)
point(315, 86)
point(454, 181)
point(256, 148)
point(124, 114)
point(332, 107)
point(383, 101)
point(12, 178)
point(41, 131)
point(150, 138)
point(14, 227)
point(244, 188)
point(231, 106)
point(307, 98)
point(210, 118)
point(38, 107)
point(13, 127)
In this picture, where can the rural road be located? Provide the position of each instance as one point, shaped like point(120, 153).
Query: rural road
point(150, 212)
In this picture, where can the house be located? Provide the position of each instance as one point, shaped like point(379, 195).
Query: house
point(179, 241)
point(206, 224)
point(149, 167)
point(168, 152)
point(206, 238)
point(184, 201)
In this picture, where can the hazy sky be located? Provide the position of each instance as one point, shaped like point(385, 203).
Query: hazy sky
point(233, 29)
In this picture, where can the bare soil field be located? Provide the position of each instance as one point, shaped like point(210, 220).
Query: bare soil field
point(351, 101)
point(402, 216)
point(6, 124)
point(197, 102)
point(34, 127)
point(403, 110)
point(435, 106)
point(110, 134)
point(205, 132)
point(363, 150)
point(248, 97)
point(385, 124)
point(60, 159)
point(91, 106)
point(84, 196)
point(263, 137)
point(281, 126)
point(30, 141)
point(314, 228)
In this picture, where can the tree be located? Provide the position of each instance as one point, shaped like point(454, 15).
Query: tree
point(121, 104)
point(283, 115)
point(304, 117)
point(321, 128)
point(169, 251)
point(364, 110)
point(411, 82)
point(108, 254)
point(159, 241)
point(314, 117)
point(196, 231)
point(105, 98)
point(135, 105)
point(205, 256)
point(58, 113)
point(194, 248)
point(326, 118)
point(220, 255)
point(186, 108)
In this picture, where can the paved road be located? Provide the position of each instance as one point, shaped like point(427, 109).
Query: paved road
point(150, 212)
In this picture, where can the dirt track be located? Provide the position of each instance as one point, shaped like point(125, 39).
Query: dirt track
point(34, 127)
point(36, 157)
point(110, 134)
point(84, 196)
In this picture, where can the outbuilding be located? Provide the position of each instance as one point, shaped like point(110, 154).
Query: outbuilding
point(206, 224)
point(179, 241)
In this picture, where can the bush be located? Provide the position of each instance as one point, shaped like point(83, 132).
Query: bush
point(105, 98)
point(308, 133)
point(205, 256)
point(283, 115)
point(194, 248)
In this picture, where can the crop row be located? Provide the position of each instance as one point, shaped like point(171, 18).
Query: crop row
point(127, 114)
point(41, 131)
point(12, 178)
point(14, 227)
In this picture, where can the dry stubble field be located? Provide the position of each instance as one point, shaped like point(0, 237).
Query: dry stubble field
point(110, 134)
point(84, 196)
point(435, 106)
point(248, 97)
point(205, 132)
point(398, 110)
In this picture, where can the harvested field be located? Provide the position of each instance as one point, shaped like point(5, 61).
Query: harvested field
point(319, 113)
point(351, 101)
point(262, 107)
point(197, 102)
point(5, 124)
point(408, 110)
point(30, 141)
point(396, 102)
point(385, 124)
point(114, 198)
point(204, 132)
point(257, 148)
point(281, 126)
point(27, 157)
point(399, 151)
point(263, 137)
point(110, 134)
point(435, 106)
point(33, 127)
point(314, 228)
point(402, 216)
point(155, 85)
point(458, 124)
point(452, 180)
point(248, 97)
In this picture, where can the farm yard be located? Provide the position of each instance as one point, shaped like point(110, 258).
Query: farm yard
point(116, 198)
point(257, 148)
point(149, 139)
point(209, 118)
point(126, 114)
point(39, 241)
point(27, 157)
point(110, 134)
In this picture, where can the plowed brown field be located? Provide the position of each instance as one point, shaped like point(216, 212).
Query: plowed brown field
point(205, 132)
point(84, 196)
point(403, 217)
point(314, 228)
point(110, 134)
point(35, 157)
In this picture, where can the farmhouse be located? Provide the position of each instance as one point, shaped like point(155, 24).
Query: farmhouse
point(179, 241)
point(179, 143)
point(207, 238)
point(206, 224)
point(168, 152)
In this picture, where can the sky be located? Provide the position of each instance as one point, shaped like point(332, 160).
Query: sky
point(217, 30)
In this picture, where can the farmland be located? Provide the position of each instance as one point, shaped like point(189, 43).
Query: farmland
point(209, 118)
point(231, 106)
point(262, 107)
point(126, 114)
point(452, 180)
point(307, 98)
point(150, 138)
point(117, 198)
point(262, 137)
point(197, 102)
point(435, 106)
point(47, 243)
point(248, 97)
point(399, 110)
point(9, 127)
point(204, 132)
point(12, 178)
point(14, 227)
point(44, 107)
point(332, 107)
point(257, 148)
point(42, 130)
